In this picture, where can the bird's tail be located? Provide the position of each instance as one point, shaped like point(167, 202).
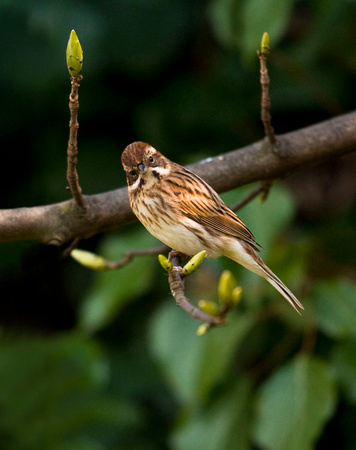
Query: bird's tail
point(281, 288)
point(244, 254)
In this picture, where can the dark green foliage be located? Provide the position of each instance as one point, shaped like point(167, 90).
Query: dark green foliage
point(106, 360)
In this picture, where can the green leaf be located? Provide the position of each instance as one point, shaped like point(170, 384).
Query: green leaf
point(52, 393)
point(224, 16)
point(194, 365)
point(225, 425)
point(336, 308)
point(294, 405)
point(344, 368)
point(241, 24)
point(266, 220)
point(112, 290)
point(219, 350)
point(171, 329)
point(271, 16)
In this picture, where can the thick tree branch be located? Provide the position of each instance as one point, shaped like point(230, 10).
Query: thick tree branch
point(62, 222)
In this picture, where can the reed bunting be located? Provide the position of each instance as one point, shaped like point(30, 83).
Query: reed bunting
point(185, 213)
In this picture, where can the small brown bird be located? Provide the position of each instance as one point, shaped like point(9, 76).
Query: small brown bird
point(185, 213)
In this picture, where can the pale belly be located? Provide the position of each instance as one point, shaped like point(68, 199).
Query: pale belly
point(179, 238)
point(186, 236)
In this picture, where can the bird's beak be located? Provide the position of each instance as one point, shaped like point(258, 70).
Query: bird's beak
point(142, 168)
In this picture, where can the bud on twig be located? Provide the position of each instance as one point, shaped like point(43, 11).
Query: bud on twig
point(202, 329)
point(209, 307)
point(194, 263)
point(265, 44)
point(236, 295)
point(74, 55)
point(89, 259)
point(227, 284)
point(165, 263)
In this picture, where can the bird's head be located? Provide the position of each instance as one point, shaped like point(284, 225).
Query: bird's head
point(143, 163)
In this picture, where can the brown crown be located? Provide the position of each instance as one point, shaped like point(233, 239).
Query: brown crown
point(134, 153)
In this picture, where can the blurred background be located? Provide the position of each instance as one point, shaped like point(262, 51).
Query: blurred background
point(106, 360)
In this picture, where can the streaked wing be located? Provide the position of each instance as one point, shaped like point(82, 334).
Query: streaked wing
point(198, 201)
point(227, 223)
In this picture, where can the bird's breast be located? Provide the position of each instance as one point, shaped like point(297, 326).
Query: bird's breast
point(166, 223)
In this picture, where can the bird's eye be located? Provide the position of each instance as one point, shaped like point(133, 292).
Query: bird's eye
point(134, 174)
point(150, 159)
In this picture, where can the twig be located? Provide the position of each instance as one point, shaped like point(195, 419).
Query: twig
point(265, 98)
point(176, 284)
point(72, 150)
point(97, 262)
point(263, 188)
point(128, 256)
point(71, 246)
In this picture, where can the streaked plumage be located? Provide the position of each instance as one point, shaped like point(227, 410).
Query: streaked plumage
point(185, 213)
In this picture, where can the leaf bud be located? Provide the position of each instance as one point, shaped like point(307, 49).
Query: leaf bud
point(165, 263)
point(227, 284)
point(202, 329)
point(236, 295)
point(265, 44)
point(74, 55)
point(89, 259)
point(209, 307)
point(193, 264)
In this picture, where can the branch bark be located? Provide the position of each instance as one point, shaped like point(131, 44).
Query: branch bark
point(61, 222)
point(176, 283)
point(72, 150)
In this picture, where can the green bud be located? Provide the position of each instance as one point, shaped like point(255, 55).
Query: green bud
point(202, 329)
point(89, 259)
point(74, 55)
point(236, 295)
point(165, 263)
point(265, 44)
point(209, 307)
point(227, 284)
point(193, 264)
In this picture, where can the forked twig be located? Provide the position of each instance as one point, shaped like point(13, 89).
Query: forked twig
point(262, 188)
point(128, 256)
point(176, 284)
